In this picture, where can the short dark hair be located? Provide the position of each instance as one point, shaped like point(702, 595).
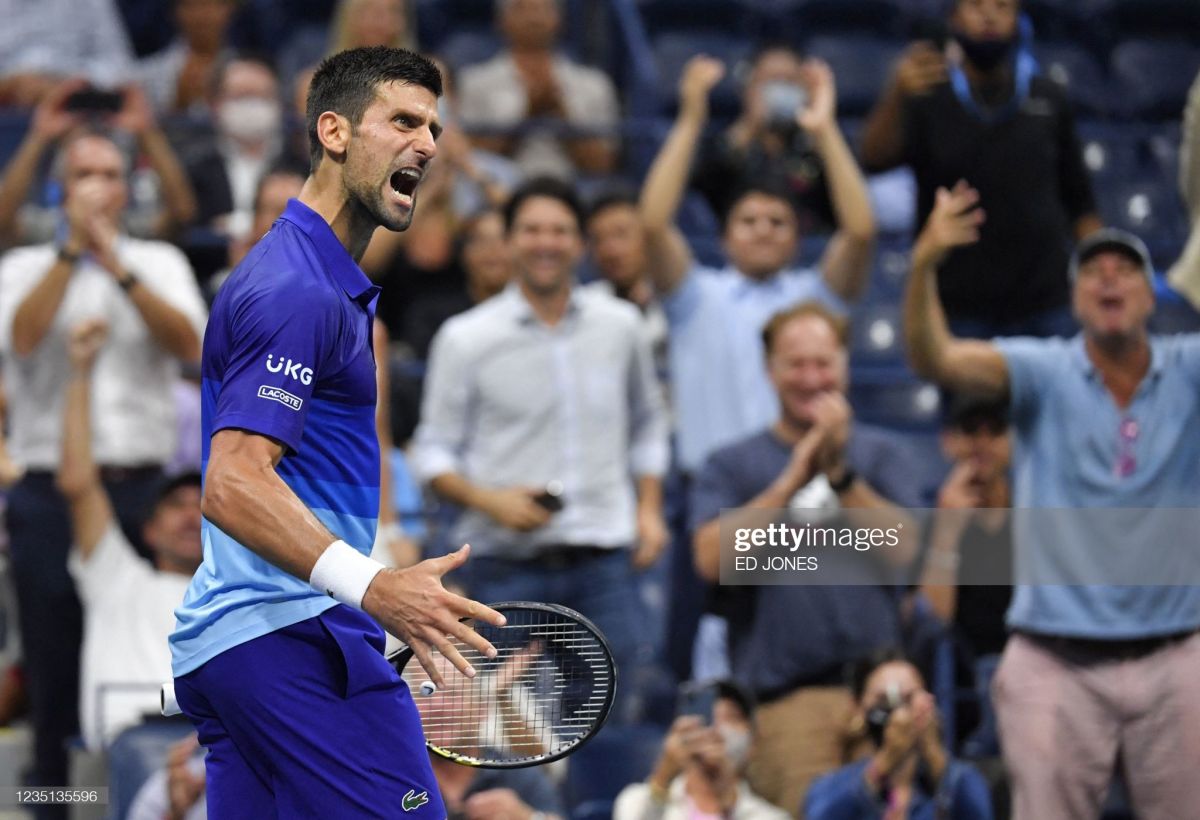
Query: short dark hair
point(763, 186)
point(617, 196)
point(862, 669)
point(548, 187)
point(346, 84)
point(969, 412)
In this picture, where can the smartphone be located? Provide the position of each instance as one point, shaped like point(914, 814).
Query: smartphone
point(696, 699)
point(550, 499)
point(92, 100)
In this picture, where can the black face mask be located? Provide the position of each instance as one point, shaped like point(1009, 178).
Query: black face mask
point(985, 54)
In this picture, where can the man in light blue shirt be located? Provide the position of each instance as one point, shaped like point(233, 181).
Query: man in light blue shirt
point(719, 384)
point(1098, 665)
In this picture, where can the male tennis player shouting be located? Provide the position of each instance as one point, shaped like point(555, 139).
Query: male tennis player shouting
point(301, 714)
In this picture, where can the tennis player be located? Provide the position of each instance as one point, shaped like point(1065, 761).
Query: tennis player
point(276, 658)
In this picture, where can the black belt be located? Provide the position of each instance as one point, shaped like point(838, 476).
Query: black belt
point(1099, 649)
point(831, 676)
point(561, 556)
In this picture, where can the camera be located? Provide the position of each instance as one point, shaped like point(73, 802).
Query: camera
point(782, 101)
point(696, 699)
point(92, 100)
point(550, 499)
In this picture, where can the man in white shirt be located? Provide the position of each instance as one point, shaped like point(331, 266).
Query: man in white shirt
point(556, 116)
point(147, 294)
point(129, 604)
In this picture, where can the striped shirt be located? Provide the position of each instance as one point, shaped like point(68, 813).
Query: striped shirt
point(287, 355)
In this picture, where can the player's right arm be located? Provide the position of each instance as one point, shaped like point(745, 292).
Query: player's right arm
point(967, 365)
point(246, 498)
point(668, 256)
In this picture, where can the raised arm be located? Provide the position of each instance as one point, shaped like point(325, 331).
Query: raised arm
point(968, 365)
point(78, 478)
point(50, 122)
point(847, 259)
point(920, 68)
point(179, 200)
point(668, 256)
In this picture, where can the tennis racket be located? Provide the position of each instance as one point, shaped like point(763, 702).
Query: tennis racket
point(546, 693)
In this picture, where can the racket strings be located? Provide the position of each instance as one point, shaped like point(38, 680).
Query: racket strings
point(545, 690)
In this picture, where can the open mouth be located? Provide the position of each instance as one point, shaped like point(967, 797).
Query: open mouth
point(1112, 303)
point(404, 185)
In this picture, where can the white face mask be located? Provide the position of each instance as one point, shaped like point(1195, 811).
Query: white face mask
point(251, 118)
point(737, 744)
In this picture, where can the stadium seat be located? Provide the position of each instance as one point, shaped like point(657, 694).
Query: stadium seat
point(1074, 20)
point(801, 19)
point(860, 63)
point(1081, 75)
point(1153, 76)
point(904, 403)
point(1112, 152)
point(1147, 207)
point(614, 758)
point(678, 16)
point(671, 53)
point(466, 48)
point(1155, 18)
point(13, 125)
point(877, 336)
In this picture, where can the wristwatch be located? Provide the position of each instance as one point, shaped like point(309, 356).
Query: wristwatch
point(70, 257)
point(842, 484)
point(126, 281)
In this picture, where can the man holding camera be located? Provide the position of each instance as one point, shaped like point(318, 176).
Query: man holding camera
point(550, 384)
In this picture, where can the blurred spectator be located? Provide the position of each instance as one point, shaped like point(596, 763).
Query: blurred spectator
point(45, 42)
point(179, 77)
point(701, 769)
point(541, 411)
point(813, 457)
point(909, 775)
point(148, 296)
point(175, 792)
point(1095, 671)
point(1184, 275)
point(765, 141)
point(967, 571)
point(490, 794)
point(53, 122)
point(249, 139)
point(720, 390)
point(356, 24)
point(983, 114)
point(485, 256)
point(618, 247)
point(275, 187)
point(549, 113)
point(129, 605)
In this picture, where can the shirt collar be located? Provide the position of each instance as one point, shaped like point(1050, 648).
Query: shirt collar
point(333, 253)
point(523, 311)
point(1080, 357)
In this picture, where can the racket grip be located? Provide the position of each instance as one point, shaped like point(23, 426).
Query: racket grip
point(169, 706)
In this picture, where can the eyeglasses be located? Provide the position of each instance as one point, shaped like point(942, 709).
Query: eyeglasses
point(1127, 433)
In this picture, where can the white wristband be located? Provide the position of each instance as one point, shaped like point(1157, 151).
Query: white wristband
point(343, 573)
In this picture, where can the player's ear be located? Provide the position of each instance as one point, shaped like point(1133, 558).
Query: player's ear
point(333, 130)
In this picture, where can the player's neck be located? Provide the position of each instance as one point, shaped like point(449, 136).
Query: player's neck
point(351, 224)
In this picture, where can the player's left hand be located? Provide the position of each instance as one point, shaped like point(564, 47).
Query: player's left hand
point(413, 605)
point(497, 804)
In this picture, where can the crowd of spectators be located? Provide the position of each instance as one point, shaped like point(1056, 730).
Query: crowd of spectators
point(631, 311)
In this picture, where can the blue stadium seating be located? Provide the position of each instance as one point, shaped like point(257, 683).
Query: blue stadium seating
point(1073, 67)
point(13, 125)
point(1154, 18)
point(464, 47)
point(675, 16)
point(1153, 76)
point(1112, 152)
point(1077, 20)
point(671, 53)
point(801, 19)
point(893, 398)
point(1148, 207)
point(877, 335)
point(860, 63)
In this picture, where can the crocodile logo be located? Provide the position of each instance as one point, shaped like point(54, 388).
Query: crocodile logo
point(413, 801)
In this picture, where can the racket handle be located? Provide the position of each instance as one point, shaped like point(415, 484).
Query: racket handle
point(167, 702)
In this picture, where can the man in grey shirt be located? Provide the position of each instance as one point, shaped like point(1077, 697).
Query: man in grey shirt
point(550, 386)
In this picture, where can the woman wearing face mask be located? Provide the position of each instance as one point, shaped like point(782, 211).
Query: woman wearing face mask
point(908, 775)
point(699, 773)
